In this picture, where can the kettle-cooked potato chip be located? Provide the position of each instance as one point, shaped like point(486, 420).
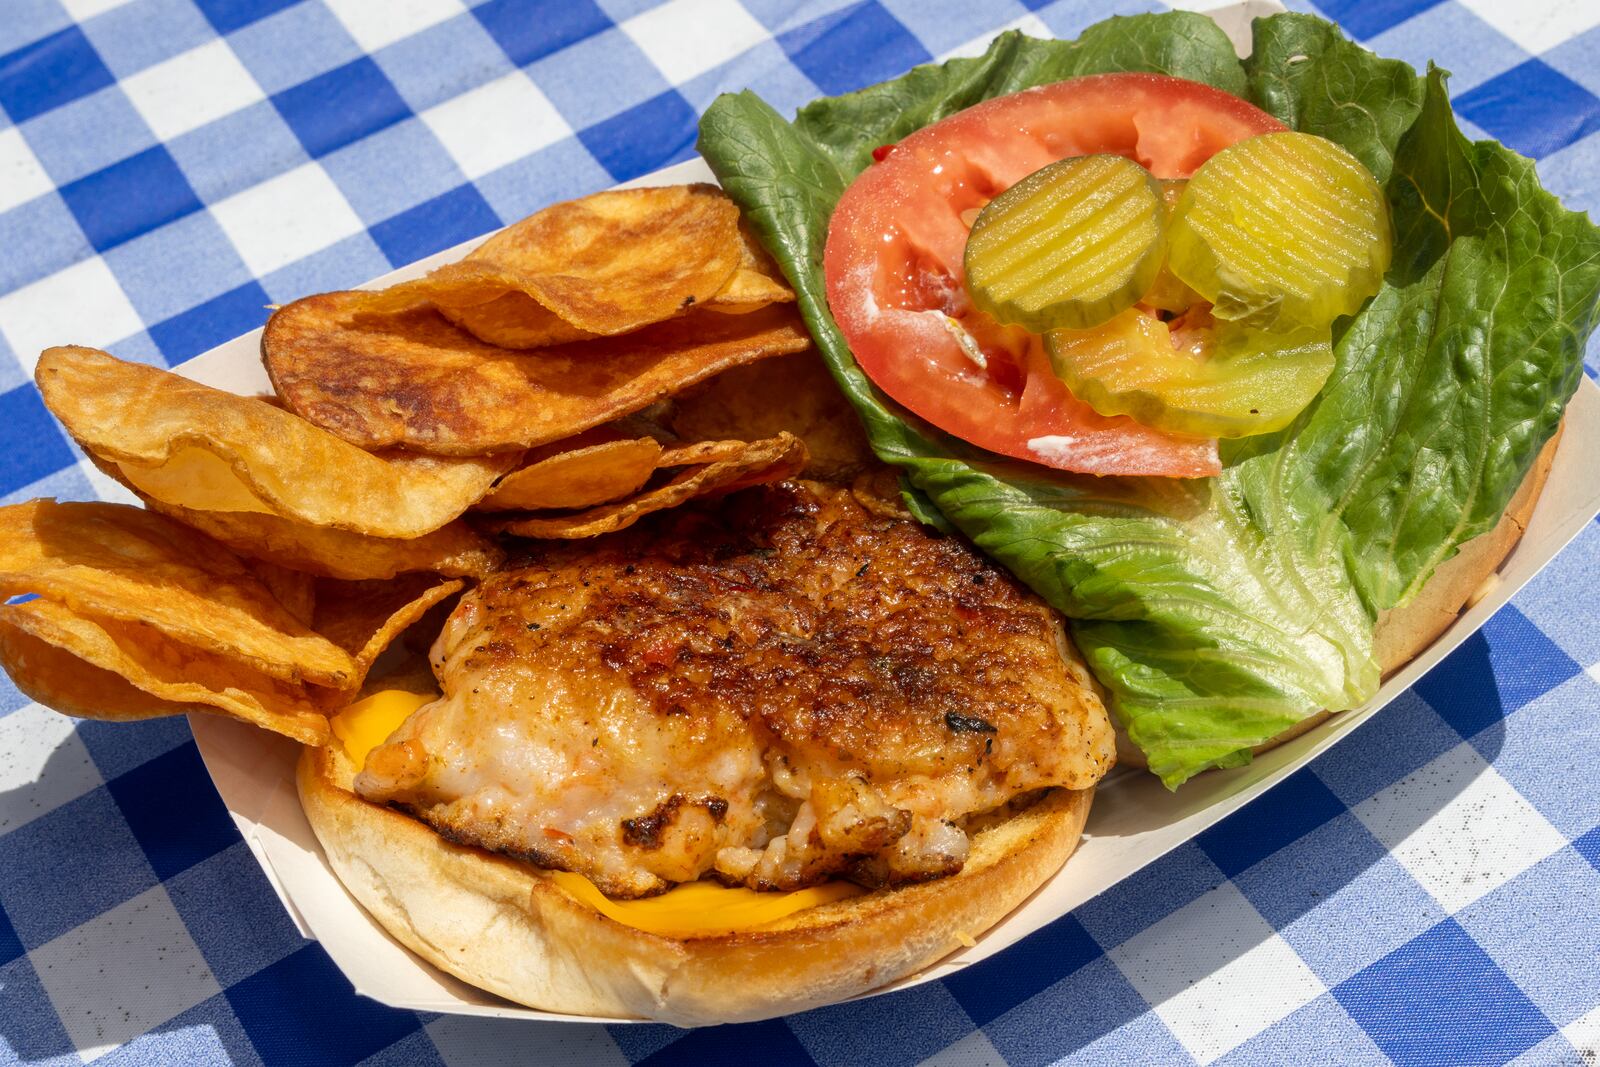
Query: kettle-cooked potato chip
point(415, 381)
point(454, 549)
point(295, 590)
point(578, 477)
point(66, 659)
point(103, 669)
point(112, 561)
point(755, 284)
point(722, 467)
point(600, 471)
point(364, 617)
point(795, 393)
point(696, 452)
point(597, 266)
point(196, 447)
point(59, 680)
point(516, 320)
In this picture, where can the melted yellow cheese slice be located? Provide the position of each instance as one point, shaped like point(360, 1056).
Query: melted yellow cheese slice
point(366, 724)
point(691, 909)
point(700, 909)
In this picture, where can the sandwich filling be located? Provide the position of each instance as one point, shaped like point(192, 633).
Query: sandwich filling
point(774, 691)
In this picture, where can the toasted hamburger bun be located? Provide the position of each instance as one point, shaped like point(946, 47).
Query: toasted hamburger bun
point(505, 926)
point(1456, 585)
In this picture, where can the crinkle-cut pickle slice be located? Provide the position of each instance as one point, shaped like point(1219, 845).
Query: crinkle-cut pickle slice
point(1281, 230)
point(1069, 246)
point(1169, 293)
point(1246, 382)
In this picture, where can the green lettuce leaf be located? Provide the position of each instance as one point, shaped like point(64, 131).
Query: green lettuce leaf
point(1339, 90)
point(1220, 612)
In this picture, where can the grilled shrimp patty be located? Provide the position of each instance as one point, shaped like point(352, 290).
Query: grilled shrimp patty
point(775, 689)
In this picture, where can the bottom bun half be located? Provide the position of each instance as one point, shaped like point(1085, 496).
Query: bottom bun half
point(504, 926)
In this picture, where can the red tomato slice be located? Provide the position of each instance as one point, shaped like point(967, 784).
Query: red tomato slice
point(896, 286)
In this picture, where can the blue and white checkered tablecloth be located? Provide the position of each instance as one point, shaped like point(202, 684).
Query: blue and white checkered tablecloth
point(1428, 892)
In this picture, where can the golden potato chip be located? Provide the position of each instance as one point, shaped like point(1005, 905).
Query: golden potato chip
point(454, 549)
point(295, 590)
point(123, 563)
point(364, 617)
point(414, 380)
point(587, 470)
point(516, 320)
point(703, 452)
point(102, 669)
point(598, 266)
point(196, 447)
point(756, 462)
point(418, 639)
point(58, 679)
point(578, 478)
point(795, 393)
point(756, 283)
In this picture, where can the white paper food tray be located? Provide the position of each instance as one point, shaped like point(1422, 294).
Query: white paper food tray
point(1134, 820)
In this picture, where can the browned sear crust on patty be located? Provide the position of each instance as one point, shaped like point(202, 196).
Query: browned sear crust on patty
point(774, 689)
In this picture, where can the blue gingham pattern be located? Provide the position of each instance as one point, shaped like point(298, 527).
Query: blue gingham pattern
point(1428, 892)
